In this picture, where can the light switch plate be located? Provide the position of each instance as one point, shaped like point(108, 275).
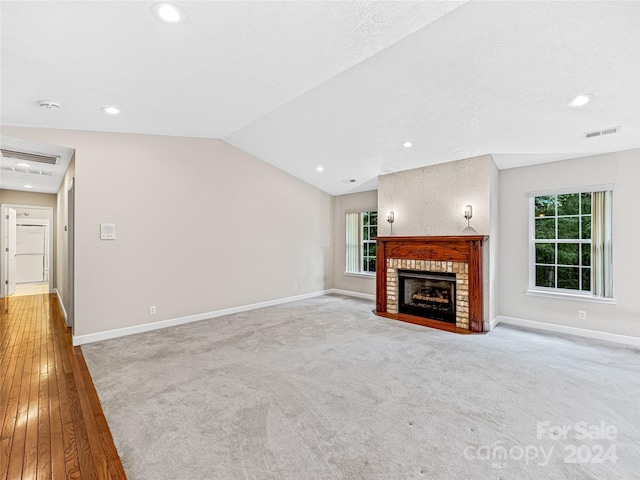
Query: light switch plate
point(107, 231)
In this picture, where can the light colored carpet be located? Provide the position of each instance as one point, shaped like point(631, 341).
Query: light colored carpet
point(323, 389)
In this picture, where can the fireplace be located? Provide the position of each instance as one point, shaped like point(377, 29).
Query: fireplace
point(435, 281)
point(428, 294)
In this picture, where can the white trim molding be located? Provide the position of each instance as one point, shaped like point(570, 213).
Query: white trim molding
point(580, 332)
point(172, 322)
point(366, 296)
point(64, 312)
point(570, 296)
point(147, 327)
point(371, 275)
point(561, 191)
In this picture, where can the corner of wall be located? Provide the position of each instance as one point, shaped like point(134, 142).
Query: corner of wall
point(341, 205)
point(494, 239)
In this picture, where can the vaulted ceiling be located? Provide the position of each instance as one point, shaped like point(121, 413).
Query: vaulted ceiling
point(341, 85)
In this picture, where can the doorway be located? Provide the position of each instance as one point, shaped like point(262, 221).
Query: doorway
point(27, 250)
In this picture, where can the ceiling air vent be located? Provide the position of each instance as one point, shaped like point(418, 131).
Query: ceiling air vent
point(27, 171)
point(30, 157)
point(600, 133)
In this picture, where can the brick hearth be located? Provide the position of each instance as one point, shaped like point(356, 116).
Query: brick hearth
point(461, 270)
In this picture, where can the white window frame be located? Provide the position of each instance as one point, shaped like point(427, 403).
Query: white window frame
point(360, 245)
point(568, 294)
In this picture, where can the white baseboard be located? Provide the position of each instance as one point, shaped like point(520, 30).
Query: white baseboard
point(64, 312)
point(146, 327)
point(581, 332)
point(366, 296)
point(495, 321)
point(521, 322)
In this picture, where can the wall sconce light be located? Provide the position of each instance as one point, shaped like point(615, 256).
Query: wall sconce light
point(468, 213)
point(390, 218)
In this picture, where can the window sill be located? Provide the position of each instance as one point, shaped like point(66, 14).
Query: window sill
point(361, 275)
point(570, 296)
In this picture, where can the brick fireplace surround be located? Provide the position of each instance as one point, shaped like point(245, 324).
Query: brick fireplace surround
point(461, 255)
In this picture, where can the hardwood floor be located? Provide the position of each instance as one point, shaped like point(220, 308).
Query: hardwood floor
point(52, 424)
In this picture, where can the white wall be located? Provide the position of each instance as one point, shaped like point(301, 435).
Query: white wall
point(622, 169)
point(17, 197)
point(201, 227)
point(343, 204)
point(431, 200)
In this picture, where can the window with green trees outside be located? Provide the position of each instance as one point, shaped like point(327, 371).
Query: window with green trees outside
point(571, 249)
point(361, 229)
point(562, 241)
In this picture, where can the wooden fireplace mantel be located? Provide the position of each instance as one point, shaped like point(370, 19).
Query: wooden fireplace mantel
point(462, 248)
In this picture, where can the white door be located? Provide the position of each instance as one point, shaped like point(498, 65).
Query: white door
point(11, 251)
point(30, 250)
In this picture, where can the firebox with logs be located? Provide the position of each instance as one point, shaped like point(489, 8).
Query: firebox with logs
point(428, 294)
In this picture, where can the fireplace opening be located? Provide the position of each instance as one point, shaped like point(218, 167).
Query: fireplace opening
point(428, 294)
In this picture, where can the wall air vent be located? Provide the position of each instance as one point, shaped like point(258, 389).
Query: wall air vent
point(30, 157)
point(600, 133)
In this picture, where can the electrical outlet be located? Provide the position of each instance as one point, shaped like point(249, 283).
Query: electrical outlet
point(152, 310)
point(582, 314)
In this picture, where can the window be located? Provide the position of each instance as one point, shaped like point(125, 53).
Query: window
point(571, 242)
point(362, 227)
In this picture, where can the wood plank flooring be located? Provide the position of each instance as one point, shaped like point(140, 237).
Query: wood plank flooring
point(51, 422)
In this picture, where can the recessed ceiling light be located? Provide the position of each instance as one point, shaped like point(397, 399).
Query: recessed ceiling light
point(168, 12)
point(580, 100)
point(28, 186)
point(111, 110)
point(407, 144)
point(320, 168)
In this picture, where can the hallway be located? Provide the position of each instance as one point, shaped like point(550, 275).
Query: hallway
point(52, 425)
point(24, 289)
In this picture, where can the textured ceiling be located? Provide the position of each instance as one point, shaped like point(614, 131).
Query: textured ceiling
point(337, 84)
